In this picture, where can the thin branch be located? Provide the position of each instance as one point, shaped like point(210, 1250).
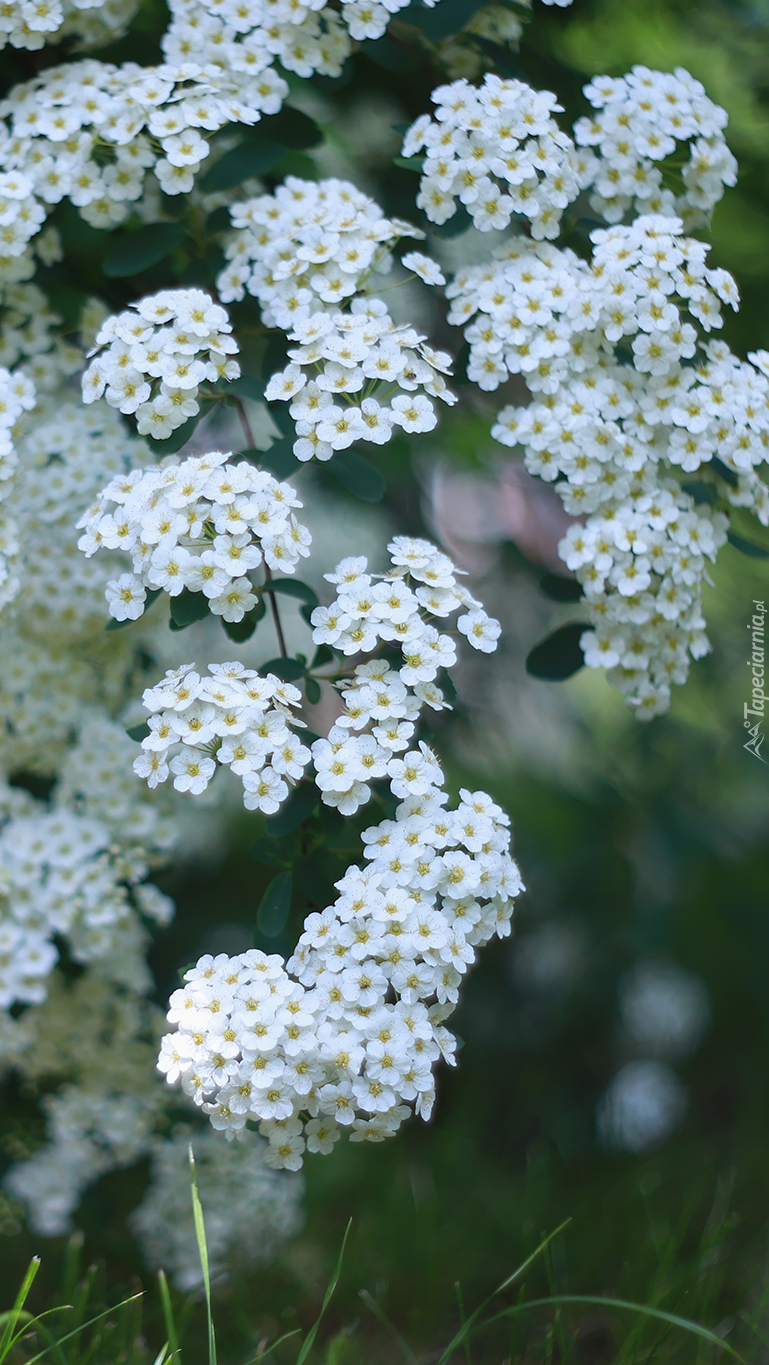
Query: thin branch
point(249, 435)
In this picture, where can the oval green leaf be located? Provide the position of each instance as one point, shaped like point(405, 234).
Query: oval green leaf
point(746, 547)
point(358, 475)
point(559, 655)
point(301, 803)
point(275, 905)
point(138, 250)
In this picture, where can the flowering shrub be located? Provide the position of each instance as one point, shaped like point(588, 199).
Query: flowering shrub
point(237, 329)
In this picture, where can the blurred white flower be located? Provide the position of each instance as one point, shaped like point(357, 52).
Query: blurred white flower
point(642, 1105)
point(664, 1010)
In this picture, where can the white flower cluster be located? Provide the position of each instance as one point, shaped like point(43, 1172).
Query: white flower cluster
point(90, 131)
point(605, 428)
point(31, 25)
point(235, 718)
point(28, 336)
point(250, 1209)
point(498, 150)
point(62, 875)
point(17, 395)
point(102, 1040)
point(383, 700)
point(642, 120)
point(157, 357)
point(201, 524)
point(304, 36)
point(345, 1034)
point(356, 377)
point(64, 458)
point(307, 248)
point(90, 1133)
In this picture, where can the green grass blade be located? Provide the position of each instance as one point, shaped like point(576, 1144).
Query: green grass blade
point(672, 1318)
point(18, 1307)
point(467, 1327)
point(168, 1314)
point(53, 1342)
point(266, 1349)
point(382, 1317)
point(82, 1327)
point(200, 1235)
point(309, 1340)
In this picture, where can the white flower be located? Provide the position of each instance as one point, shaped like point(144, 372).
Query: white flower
point(126, 597)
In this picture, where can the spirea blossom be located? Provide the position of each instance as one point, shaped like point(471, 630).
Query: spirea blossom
point(242, 720)
point(307, 248)
point(17, 395)
point(612, 427)
point(303, 37)
point(149, 118)
point(496, 149)
point(358, 377)
point(642, 119)
point(233, 717)
point(200, 524)
point(345, 1034)
point(62, 876)
point(31, 25)
point(383, 698)
point(64, 458)
point(152, 361)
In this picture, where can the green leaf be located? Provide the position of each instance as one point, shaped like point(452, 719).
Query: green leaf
point(434, 23)
point(724, 472)
point(675, 1321)
point(243, 630)
point(219, 219)
point(245, 387)
point(454, 226)
point(412, 163)
point(391, 56)
point(168, 1314)
point(241, 163)
point(281, 415)
point(280, 458)
point(200, 1236)
point(275, 358)
point(358, 475)
point(275, 904)
point(18, 1307)
point(746, 547)
point(138, 732)
point(323, 655)
point(272, 852)
point(558, 656)
point(467, 1326)
point(312, 690)
point(176, 440)
point(301, 803)
point(309, 1340)
point(187, 608)
point(287, 669)
point(504, 63)
point(559, 588)
point(152, 596)
point(448, 687)
point(292, 128)
point(138, 250)
point(293, 587)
